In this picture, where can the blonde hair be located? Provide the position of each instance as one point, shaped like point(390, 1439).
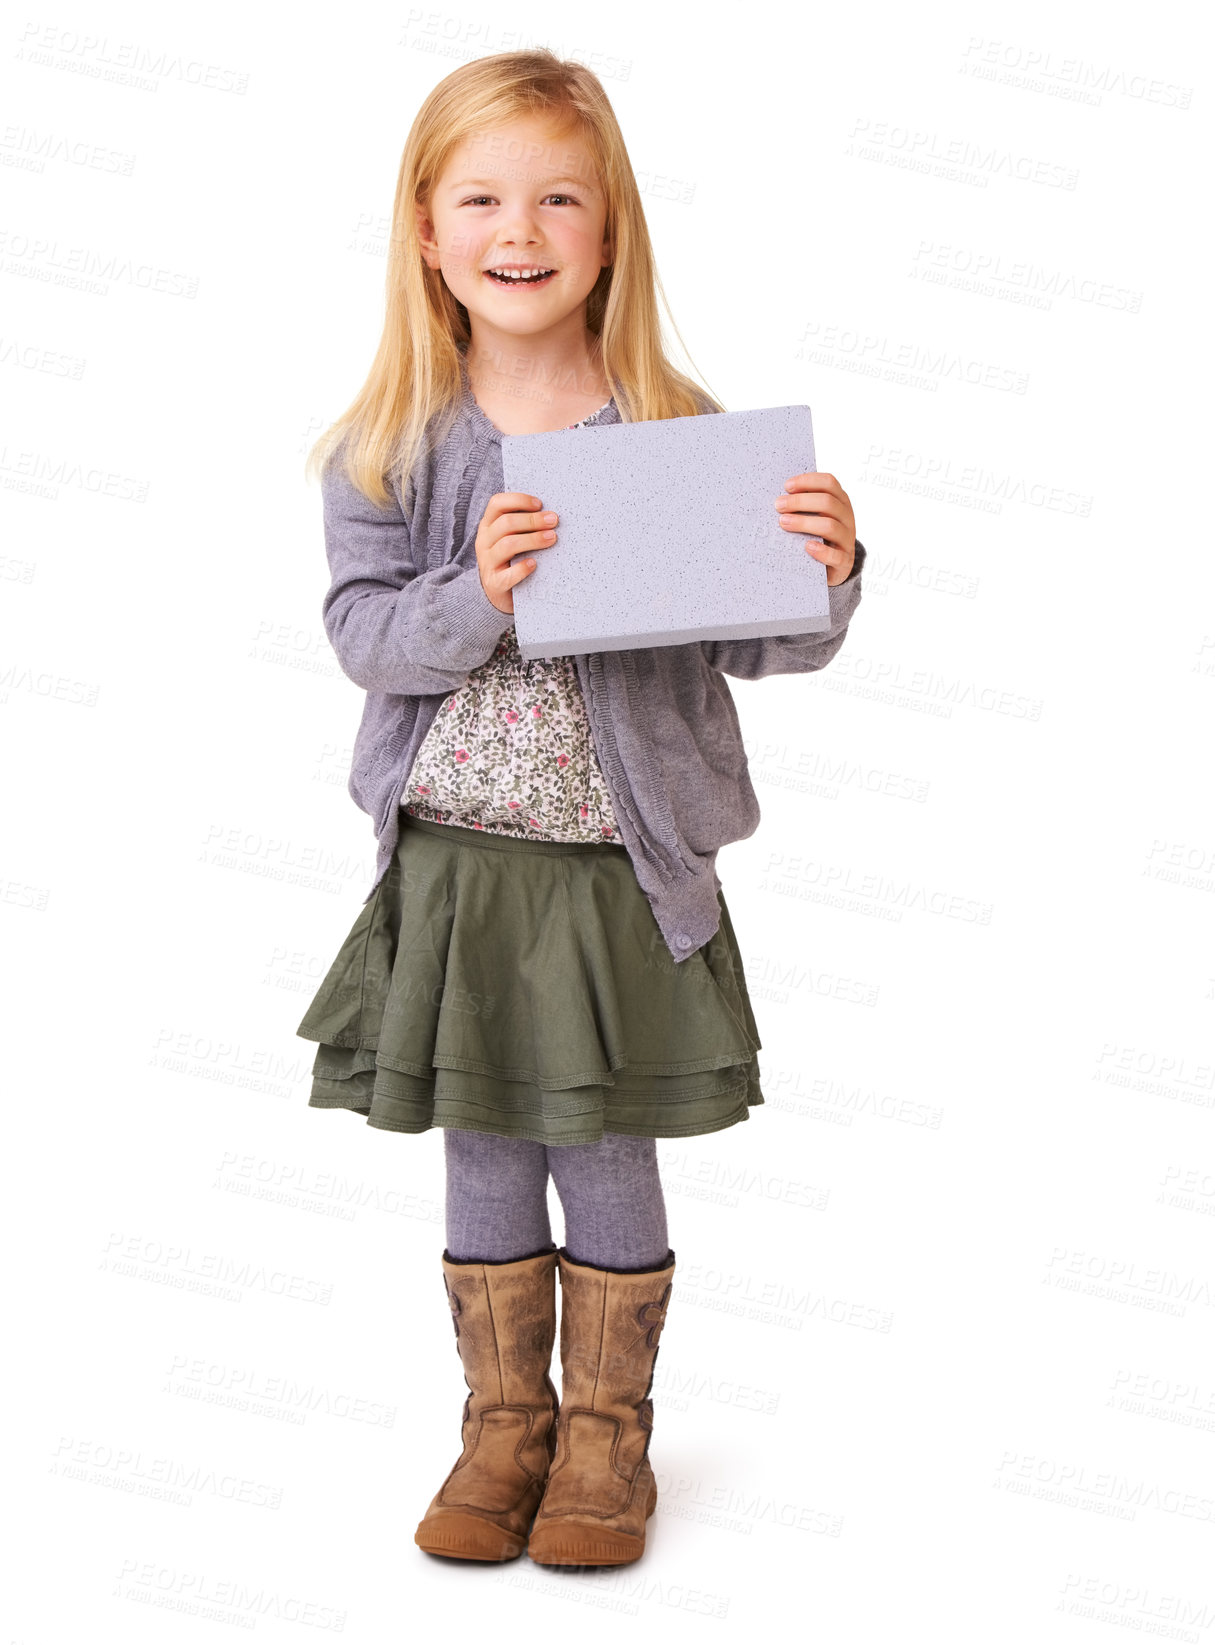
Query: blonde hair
point(412, 392)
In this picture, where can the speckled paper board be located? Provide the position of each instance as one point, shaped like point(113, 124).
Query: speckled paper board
point(668, 533)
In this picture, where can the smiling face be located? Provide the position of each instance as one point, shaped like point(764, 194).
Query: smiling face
point(524, 201)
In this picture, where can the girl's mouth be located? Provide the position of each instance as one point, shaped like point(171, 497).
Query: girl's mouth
point(502, 279)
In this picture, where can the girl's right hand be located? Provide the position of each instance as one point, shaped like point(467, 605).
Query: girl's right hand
point(512, 524)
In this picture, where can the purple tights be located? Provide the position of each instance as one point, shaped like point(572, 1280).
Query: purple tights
point(610, 1191)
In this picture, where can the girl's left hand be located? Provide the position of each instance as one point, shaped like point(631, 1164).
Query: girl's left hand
point(818, 504)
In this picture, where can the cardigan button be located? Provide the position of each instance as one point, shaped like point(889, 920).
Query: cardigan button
point(683, 940)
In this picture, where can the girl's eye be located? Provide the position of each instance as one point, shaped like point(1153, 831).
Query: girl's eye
point(478, 199)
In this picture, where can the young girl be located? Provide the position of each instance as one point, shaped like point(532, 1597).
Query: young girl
point(545, 966)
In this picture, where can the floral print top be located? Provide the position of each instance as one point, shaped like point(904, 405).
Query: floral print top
point(510, 752)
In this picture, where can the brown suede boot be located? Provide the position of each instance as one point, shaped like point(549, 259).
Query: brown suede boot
point(505, 1315)
point(601, 1487)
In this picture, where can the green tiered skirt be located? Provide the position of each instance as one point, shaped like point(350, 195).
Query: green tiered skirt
point(522, 987)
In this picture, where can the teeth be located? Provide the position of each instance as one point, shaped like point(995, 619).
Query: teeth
point(519, 274)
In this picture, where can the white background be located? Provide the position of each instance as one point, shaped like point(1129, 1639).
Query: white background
point(938, 1359)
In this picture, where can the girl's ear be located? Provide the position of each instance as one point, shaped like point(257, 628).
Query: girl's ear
point(426, 236)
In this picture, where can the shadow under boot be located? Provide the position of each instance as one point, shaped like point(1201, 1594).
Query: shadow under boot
point(601, 1487)
point(505, 1318)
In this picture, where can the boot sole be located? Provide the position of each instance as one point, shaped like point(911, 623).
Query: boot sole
point(576, 1545)
point(464, 1536)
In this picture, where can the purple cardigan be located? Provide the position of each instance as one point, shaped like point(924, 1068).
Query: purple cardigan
point(409, 620)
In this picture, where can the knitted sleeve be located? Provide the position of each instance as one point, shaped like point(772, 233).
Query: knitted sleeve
point(395, 629)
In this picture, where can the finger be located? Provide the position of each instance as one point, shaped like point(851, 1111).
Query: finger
point(516, 544)
point(523, 542)
point(503, 500)
point(810, 503)
point(815, 481)
point(504, 504)
point(526, 522)
point(833, 558)
point(815, 501)
point(818, 525)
